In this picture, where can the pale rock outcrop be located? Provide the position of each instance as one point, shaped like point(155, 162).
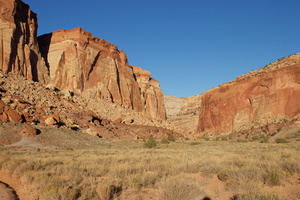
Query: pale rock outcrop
point(19, 52)
point(183, 112)
point(262, 97)
point(151, 93)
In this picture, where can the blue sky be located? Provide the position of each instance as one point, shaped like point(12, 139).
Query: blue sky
point(189, 46)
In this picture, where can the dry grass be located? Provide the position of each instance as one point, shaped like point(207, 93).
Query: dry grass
point(103, 172)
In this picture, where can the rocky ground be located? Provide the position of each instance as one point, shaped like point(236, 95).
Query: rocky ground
point(33, 103)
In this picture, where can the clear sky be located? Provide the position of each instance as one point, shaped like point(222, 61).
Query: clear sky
point(189, 46)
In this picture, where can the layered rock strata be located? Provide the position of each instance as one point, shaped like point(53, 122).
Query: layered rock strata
point(259, 98)
point(183, 112)
point(19, 52)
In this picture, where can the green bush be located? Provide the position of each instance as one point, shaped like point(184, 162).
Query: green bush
point(194, 143)
point(165, 141)
point(171, 138)
point(150, 143)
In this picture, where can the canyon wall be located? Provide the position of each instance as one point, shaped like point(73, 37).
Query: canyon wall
point(88, 66)
point(183, 112)
point(151, 93)
point(265, 96)
point(19, 52)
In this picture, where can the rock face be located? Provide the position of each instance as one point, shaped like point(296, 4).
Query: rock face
point(151, 94)
point(85, 65)
point(266, 96)
point(19, 53)
point(183, 112)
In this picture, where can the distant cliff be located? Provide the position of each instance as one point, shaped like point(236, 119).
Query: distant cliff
point(262, 97)
point(183, 112)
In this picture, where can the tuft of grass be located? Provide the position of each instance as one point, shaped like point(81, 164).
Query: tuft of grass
point(255, 196)
point(150, 143)
point(281, 140)
point(165, 141)
point(273, 178)
point(171, 138)
point(223, 175)
point(180, 188)
point(194, 143)
point(108, 191)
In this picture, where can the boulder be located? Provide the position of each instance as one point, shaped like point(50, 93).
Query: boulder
point(28, 130)
point(14, 116)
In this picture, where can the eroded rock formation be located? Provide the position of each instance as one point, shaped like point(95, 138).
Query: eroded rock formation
point(151, 94)
point(92, 67)
point(183, 112)
point(19, 52)
point(265, 96)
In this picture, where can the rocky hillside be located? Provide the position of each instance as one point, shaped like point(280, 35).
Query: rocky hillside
point(77, 63)
point(32, 103)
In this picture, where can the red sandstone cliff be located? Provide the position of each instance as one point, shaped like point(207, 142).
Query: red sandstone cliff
point(265, 96)
point(92, 67)
point(19, 53)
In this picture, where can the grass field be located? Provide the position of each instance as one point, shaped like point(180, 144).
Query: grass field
point(178, 170)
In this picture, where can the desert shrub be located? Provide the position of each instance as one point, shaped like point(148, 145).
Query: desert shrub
point(194, 143)
point(150, 143)
point(281, 140)
point(292, 166)
point(240, 174)
point(273, 134)
point(223, 175)
point(165, 141)
point(180, 188)
point(171, 138)
point(108, 191)
point(272, 178)
point(264, 140)
point(255, 196)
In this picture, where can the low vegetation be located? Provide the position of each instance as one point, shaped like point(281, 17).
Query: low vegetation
point(179, 170)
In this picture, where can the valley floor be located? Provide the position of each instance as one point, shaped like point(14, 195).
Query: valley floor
point(79, 166)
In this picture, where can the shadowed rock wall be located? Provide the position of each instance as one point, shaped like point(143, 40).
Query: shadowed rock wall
point(19, 52)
